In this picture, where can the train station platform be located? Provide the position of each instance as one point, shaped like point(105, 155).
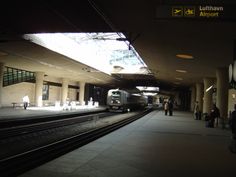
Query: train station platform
point(9, 113)
point(155, 145)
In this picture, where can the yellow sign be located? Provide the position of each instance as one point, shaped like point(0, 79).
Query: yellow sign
point(211, 11)
point(177, 11)
point(209, 14)
point(189, 11)
point(208, 11)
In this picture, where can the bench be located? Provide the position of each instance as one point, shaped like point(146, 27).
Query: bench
point(20, 104)
point(15, 104)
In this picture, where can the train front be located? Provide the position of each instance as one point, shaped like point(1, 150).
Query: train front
point(115, 100)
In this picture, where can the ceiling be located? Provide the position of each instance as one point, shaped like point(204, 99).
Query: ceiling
point(31, 57)
point(157, 40)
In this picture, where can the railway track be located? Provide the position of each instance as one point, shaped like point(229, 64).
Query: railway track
point(18, 163)
point(6, 123)
point(48, 123)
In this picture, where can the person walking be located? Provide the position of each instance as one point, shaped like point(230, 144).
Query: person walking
point(166, 108)
point(26, 101)
point(196, 110)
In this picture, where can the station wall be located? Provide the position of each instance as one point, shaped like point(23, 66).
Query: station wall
point(72, 94)
point(15, 93)
point(54, 95)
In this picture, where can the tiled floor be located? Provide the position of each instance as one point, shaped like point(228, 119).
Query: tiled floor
point(153, 146)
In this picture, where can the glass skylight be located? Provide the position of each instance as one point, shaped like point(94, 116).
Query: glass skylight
point(106, 52)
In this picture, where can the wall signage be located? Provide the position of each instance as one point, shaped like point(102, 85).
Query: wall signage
point(198, 11)
point(211, 11)
point(222, 12)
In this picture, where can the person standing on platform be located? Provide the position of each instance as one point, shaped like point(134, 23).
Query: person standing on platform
point(170, 107)
point(26, 101)
point(196, 110)
point(166, 107)
point(215, 114)
point(233, 128)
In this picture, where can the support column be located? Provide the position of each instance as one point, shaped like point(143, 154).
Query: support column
point(207, 99)
point(222, 91)
point(39, 88)
point(1, 81)
point(81, 92)
point(64, 90)
point(193, 97)
point(199, 95)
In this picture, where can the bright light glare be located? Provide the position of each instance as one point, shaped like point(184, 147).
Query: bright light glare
point(181, 71)
point(209, 88)
point(149, 94)
point(136, 94)
point(98, 50)
point(184, 56)
point(142, 88)
point(179, 78)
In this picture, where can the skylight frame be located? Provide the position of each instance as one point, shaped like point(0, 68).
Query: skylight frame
point(92, 49)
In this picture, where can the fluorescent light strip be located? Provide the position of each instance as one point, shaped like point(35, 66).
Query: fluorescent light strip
point(179, 78)
point(209, 88)
point(184, 56)
point(180, 71)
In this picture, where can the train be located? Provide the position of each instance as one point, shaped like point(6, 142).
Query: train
point(125, 100)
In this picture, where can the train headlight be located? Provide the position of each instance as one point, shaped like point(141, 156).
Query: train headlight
point(115, 101)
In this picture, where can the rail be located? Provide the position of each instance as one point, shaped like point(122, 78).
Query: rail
point(35, 127)
point(10, 122)
point(17, 164)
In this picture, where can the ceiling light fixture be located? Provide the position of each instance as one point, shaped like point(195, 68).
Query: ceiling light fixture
point(184, 56)
point(180, 71)
point(209, 88)
point(179, 78)
point(143, 68)
point(118, 67)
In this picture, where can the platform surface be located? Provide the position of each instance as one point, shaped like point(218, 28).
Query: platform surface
point(153, 146)
point(8, 113)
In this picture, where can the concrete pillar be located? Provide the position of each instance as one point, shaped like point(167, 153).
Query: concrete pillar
point(193, 97)
point(199, 95)
point(207, 99)
point(222, 91)
point(39, 88)
point(81, 92)
point(1, 81)
point(64, 90)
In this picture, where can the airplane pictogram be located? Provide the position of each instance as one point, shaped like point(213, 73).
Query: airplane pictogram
point(177, 11)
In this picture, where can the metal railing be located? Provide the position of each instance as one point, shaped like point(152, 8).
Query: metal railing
point(13, 76)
